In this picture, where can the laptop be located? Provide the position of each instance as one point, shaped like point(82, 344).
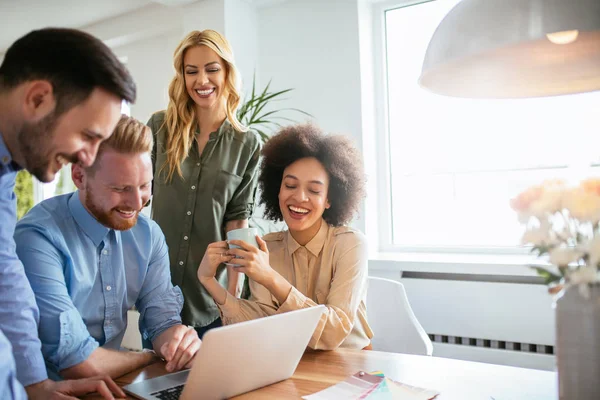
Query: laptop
point(238, 358)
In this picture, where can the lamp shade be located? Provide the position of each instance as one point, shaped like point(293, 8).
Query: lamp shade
point(515, 49)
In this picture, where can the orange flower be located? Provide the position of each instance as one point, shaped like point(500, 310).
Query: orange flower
point(545, 196)
point(523, 201)
point(591, 185)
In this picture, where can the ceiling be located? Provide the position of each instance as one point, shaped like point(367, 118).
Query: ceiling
point(19, 17)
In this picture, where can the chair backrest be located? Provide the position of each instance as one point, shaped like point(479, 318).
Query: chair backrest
point(394, 324)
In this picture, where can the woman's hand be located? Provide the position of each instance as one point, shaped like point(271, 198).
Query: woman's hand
point(254, 262)
point(216, 253)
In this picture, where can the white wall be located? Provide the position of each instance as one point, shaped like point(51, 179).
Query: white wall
point(313, 47)
point(204, 15)
point(241, 30)
point(150, 62)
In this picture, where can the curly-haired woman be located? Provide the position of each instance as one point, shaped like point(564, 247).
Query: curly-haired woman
point(206, 165)
point(314, 182)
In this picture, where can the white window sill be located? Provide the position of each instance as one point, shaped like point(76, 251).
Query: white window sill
point(480, 264)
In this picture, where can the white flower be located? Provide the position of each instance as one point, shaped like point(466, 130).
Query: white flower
point(563, 256)
point(523, 217)
point(536, 236)
point(583, 275)
point(566, 220)
point(593, 250)
point(582, 205)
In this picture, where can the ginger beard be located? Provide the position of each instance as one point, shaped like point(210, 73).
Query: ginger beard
point(117, 218)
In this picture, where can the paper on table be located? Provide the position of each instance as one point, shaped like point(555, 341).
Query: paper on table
point(423, 393)
point(392, 390)
point(373, 386)
point(355, 387)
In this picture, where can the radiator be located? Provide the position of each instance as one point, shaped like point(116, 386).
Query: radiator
point(492, 344)
point(499, 322)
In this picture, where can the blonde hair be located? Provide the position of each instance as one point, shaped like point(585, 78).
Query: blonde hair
point(130, 136)
point(181, 114)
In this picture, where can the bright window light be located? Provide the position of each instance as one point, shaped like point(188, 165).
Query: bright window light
point(455, 163)
point(125, 108)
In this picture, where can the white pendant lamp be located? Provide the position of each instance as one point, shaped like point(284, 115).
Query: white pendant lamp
point(515, 49)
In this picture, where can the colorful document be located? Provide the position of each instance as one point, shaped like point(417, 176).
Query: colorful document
point(372, 386)
point(355, 387)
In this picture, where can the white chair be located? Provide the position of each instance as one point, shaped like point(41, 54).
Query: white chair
point(394, 324)
point(132, 340)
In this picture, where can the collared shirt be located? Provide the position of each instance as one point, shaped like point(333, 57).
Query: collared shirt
point(86, 276)
point(18, 311)
point(218, 186)
point(331, 270)
point(9, 385)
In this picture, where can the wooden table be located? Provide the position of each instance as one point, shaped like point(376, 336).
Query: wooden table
point(454, 379)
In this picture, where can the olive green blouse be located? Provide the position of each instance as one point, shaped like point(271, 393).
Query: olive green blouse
point(218, 186)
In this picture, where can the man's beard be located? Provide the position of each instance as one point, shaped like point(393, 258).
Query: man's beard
point(108, 218)
point(35, 145)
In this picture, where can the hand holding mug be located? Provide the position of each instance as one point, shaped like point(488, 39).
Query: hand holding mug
point(252, 260)
point(216, 253)
point(247, 235)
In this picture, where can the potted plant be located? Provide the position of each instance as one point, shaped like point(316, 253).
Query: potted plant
point(563, 226)
point(257, 111)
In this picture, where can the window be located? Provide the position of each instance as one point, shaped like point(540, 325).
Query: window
point(61, 184)
point(455, 163)
point(24, 192)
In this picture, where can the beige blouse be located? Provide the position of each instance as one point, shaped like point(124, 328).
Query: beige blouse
point(331, 270)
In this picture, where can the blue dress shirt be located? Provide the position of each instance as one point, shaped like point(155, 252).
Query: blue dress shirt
point(86, 276)
point(9, 385)
point(18, 311)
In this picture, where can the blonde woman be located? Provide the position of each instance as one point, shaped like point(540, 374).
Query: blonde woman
point(205, 164)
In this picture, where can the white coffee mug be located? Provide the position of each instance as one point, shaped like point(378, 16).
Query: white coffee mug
point(248, 235)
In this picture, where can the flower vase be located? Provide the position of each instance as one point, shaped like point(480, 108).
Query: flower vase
point(578, 342)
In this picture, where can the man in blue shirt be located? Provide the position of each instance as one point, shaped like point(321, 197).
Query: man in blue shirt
point(60, 96)
point(90, 256)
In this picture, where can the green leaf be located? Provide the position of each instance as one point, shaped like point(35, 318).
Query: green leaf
point(24, 191)
point(269, 96)
point(253, 84)
point(264, 100)
point(268, 113)
point(296, 110)
point(261, 121)
point(263, 135)
point(549, 277)
point(541, 249)
point(257, 111)
point(285, 119)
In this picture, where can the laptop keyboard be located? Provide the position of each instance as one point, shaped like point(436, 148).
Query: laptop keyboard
point(169, 394)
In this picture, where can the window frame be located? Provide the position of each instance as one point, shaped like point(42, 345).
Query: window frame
point(383, 150)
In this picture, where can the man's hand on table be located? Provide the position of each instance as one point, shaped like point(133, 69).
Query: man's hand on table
point(69, 389)
point(178, 346)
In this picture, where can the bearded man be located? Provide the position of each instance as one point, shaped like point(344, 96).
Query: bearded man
point(90, 256)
